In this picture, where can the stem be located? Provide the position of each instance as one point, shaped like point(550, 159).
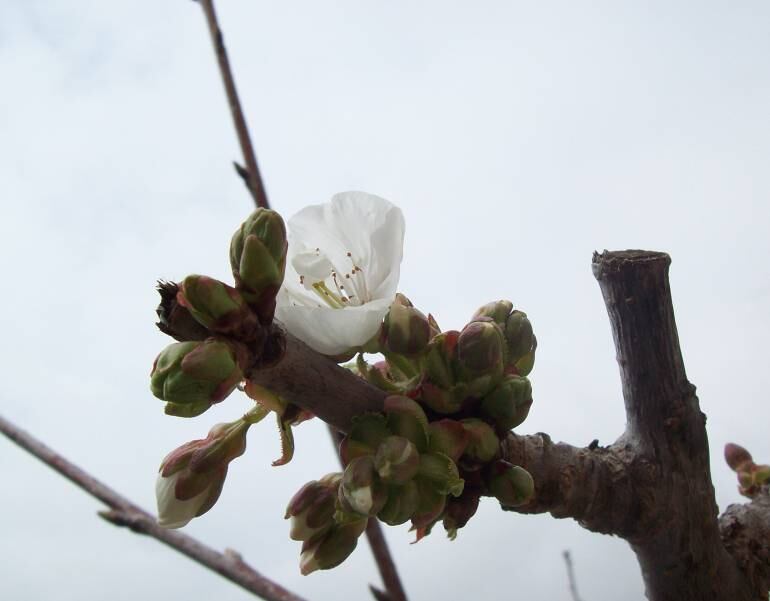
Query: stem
point(125, 513)
point(255, 185)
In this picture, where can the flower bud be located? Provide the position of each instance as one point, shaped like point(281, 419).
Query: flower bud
point(510, 484)
point(442, 473)
point(366, 434)
point(332, 548)
point(191, 477)
point(191, 376)
point(378, 375)
point(438, 388)
point(429, 509)
point(449, 437)
point(738, 458)
point(481, 356)
point(497, 311)
point(401, 505)
point(258, 260)
point(517, 329)
point(508, 404)
point(362, 488)
point(217, 306)
point(312, 508)
point(405, 330)
point(406, 418)
point(483, 443)
point(397, 460)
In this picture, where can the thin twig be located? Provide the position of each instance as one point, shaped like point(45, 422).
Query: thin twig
point(255, 185)
point(394, 590)
point(571, 575)
point(124, 513)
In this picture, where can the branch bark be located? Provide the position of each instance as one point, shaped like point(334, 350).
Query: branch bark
point(124, 513)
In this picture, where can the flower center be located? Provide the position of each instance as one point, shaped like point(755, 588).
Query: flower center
point(337, 290)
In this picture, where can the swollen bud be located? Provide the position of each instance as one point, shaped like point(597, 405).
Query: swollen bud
point(312, 508)
point(192, 376)
point(483, 443)
point(459, 511)
point(508, 404)
point(401, 505)
point(361, 487)
point(191, 477)
point(481, 356)
point(405, 330)
point(258, 260)
point(738, 458)
point(519, 338)
point(397, 460)
point(217, 306)
point(332, 548)
point(510, 484)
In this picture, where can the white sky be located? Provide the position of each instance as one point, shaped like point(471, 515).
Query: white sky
point(517, 138)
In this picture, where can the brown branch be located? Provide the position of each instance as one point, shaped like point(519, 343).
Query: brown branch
point(254, 179)
point(124, 513)
point(571, 576)
point(394, 590)
point(745, 530)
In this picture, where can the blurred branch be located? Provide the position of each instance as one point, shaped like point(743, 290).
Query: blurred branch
point(250, 174)
point(394, 590)
point(571, 575)
point(123, 512)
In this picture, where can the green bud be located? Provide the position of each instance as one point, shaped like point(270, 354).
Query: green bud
point(517, 329)
point(449, 437)
point(217, 306)
point(405, 330)
point(510, 484)
point(762, 474)
point(401, 505)
point(366, 434)
point(406, 418)
point(197, 374)
point(508, 404)
point(397, 460)
point(480, 356)
point(312, 508)
point(519, 335)
point(497, 311)
point(429, 509)
point(483, 443)
point(442, 473)
point(258, 260)
point(362, 488)
point(332, 548)
point(378, 375)
point(438, 388)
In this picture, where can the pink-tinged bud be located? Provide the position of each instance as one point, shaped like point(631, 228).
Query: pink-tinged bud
point(406, 418)
point(508, 404)
point(312, 508)
point(510, 484)
point(480, 356)
point(449, 437)
point(429, 509)
point(362, 488)
point(483, 443)
point(738, 458)
point(191, 477)
point(517, 330)
point(332, 548)
point(405, 330)
point(258, 260)
point(439, 358)
point(397, 460)
point(497, 311)
point(218, 307)
point(401, 505)
point(459, 511)
point(191, 376)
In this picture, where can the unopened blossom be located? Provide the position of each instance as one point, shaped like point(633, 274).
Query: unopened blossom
point(342, 272)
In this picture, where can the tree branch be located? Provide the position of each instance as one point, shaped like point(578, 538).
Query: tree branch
point(745, 530)
point(124, 513)
point(253, 176)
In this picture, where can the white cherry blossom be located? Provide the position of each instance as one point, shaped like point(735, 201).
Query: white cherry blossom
point(344, 260)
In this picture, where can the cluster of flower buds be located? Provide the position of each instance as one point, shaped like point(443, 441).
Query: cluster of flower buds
point(220, 327)
point(751, 477)
point(191, 477)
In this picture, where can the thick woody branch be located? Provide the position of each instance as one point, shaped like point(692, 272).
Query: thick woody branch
point(746, 535)
point(124, 513)
point(677, 541)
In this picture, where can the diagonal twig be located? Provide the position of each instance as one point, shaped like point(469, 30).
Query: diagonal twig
point(571, 575)
point(253, 178)
point(394, 590)
point(123, 512)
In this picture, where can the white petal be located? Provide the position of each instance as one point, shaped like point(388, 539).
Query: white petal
point(313, 266)
point(333, 331)
point(173, 513)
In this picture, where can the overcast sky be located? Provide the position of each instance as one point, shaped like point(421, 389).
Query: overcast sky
point(517, 137)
